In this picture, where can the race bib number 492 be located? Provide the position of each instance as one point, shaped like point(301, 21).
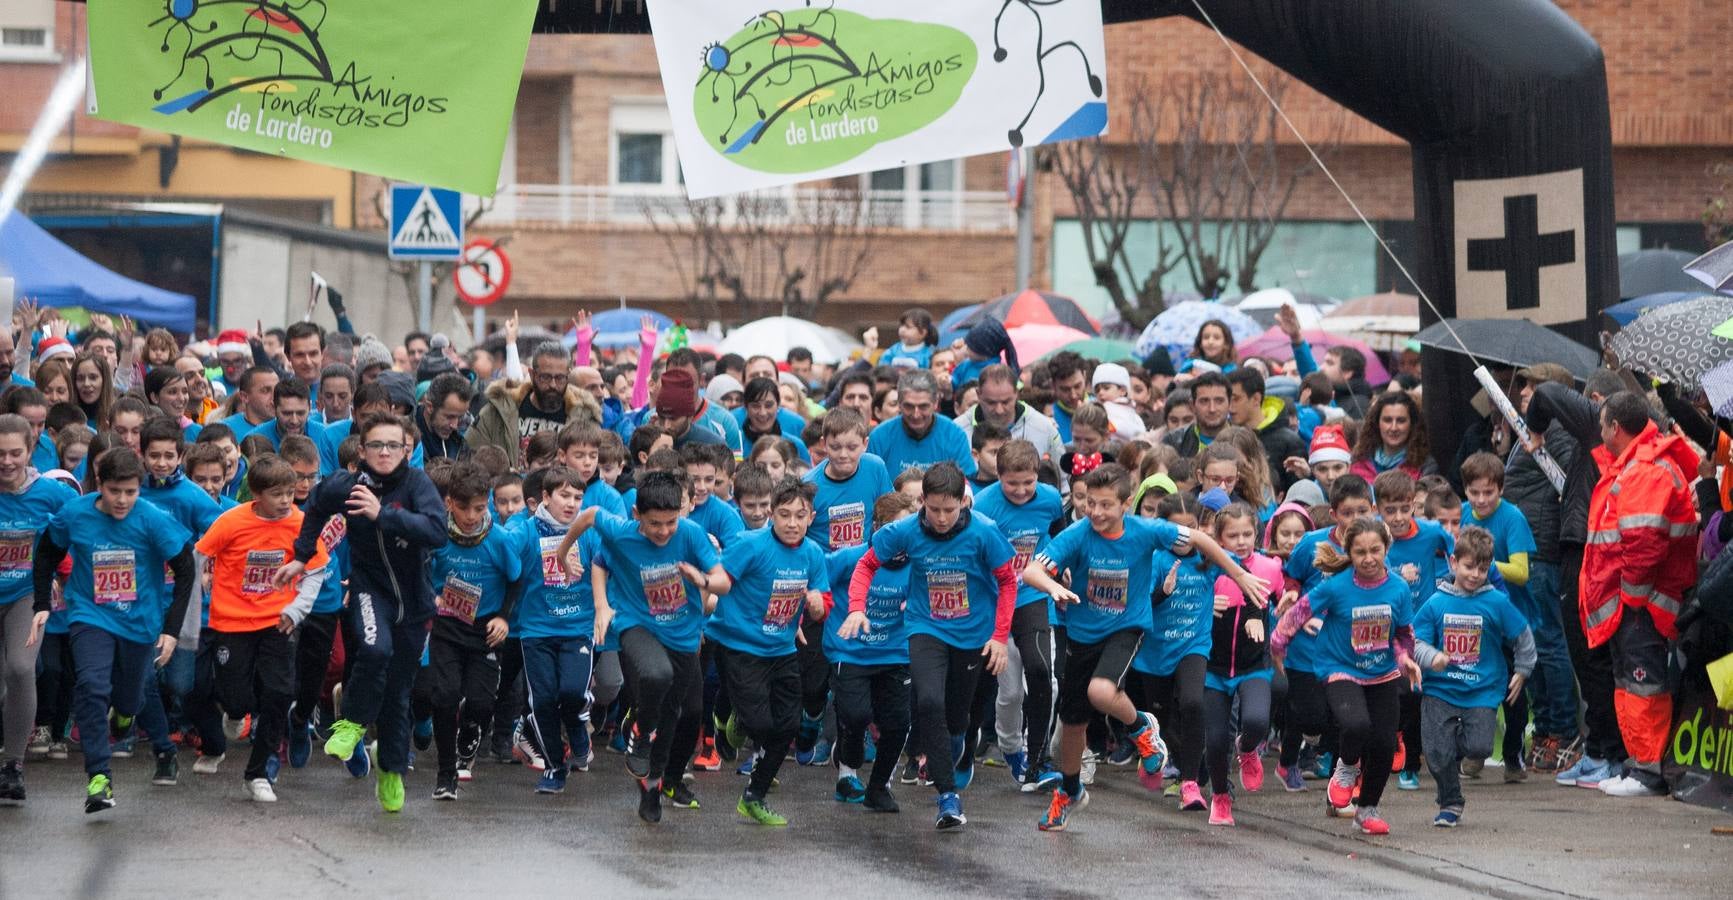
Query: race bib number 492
point(664, 589)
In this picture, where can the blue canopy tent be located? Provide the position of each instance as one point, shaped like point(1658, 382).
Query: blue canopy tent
point(54, 274)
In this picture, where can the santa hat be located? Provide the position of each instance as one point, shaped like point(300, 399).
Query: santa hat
point(52, 347)
point(234, 340)
point(1329, 444)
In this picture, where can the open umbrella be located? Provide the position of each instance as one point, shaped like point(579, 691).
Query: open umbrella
point(1033, 308)
point(1718, 387)
point(776, 335)
point(1384, 321)
point(1676, 342)
point(951, 326)
point(1103, 349)
point(1514, 342)
point(1274, 344)
point(1176, 328)
point(617, 328)
point(1654, 272)
point(1036, 341)
point(1626, 310)
point(1714, 268)
point(1263, 306)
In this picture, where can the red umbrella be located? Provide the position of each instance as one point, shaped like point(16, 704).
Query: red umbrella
point(1035, 341)
point(1274, 344)
point(1035, 308)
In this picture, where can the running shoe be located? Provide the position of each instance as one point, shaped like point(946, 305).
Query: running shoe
point(446, 787)
point(1251, 772)
point(732, 732)
point(1171, 791)
point(1543, 755)
point(122, 747)
point(98, 795)
point(822, 752)
point(390, 791)
point(1587, 772)
point(553, 781)
point(807, 738)
point(1570, 751)
point(500, 748)
point(849, 790)
point(233, 727)
point(1190, 797)
point(582, 763)
point(259, 790)
point(1370, 822)
point(423, 733)
point(59, 750)
point(168, 769)
point(1514, 773)
point(1151, 749)
point(345, 737)
point(1308, 761)
point(273, 768)
point(1448, 817)
point(879, 799)
point(1045, 778)
point(638, 756)
point(1293, 781)
point(1471, 768)
point(468, 745)
point(748, 760)
point(40, 741)
point(300, 744)
point(12, 781)
point(524, 750)
point(621, 741)
point(1018, 762)
point(1060, 808)
point(680, 796)
point(708, 760)
point(1630, 786)
point(1087, 772)
point(1122, 754)
point(950, 815)
point(649, 801)
point(208, 765)
point(758, 813)
point(1408, 781)
point(1340, 795)
point(359, 763)
point(1221, 810)
point(870, 753)
point(1325, 768)
point(965, 764)
point(1152, 781)
point(1400, 760)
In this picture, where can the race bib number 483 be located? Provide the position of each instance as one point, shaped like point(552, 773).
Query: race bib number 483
point(1371, 629)
point(948, 595)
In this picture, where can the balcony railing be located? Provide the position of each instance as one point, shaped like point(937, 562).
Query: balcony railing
point(576, 204)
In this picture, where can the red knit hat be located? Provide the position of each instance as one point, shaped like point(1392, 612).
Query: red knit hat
point(1329, 444)
point(679, 396)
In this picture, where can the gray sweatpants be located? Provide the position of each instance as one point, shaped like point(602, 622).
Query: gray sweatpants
point(1451, 734)
point(17, 675)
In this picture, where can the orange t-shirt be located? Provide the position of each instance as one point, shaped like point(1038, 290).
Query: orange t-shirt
point(245, 551)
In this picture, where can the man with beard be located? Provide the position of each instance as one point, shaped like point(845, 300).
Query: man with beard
point(918, 437)
point(516, 411)
point(1070, 388)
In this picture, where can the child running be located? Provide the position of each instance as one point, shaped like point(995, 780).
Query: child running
point(777, 573)
point(1364, 649)
point(1168, 670)
point(1108, 557)
point(1460, 636)
point(252, 617)
point(1239, 666)
point(121, 617)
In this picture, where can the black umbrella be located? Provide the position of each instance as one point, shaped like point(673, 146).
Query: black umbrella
point(1513, 342)
point(1033, 308)
point(1653, 272)
point(1676, 341)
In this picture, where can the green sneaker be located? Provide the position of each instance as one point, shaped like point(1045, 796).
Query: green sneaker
point(99, 795)
point(390, 791)
point(345, 735)
point(736, 735)
point(759, 813)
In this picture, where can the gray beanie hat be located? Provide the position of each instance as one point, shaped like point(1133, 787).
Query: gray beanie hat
point(371, 353)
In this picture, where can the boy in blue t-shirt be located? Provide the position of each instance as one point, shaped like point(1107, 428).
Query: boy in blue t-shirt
point(581, 451)
point(1460, 639)
point(962, 594)
point(658, 570)
point(1027, 513)
point(470, 574)
point(1512, 545)
point(871, 680)
point(122, 618)
point(1418, 554)
point(701, 463)
point(1108, 556)
point(558, 623)
point(777, 573)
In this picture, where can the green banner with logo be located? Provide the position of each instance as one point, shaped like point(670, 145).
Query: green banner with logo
point(414, 90)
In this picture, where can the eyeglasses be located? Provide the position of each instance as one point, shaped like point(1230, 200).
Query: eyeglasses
point(308, 478)
point(384, 446)
point(550, 377)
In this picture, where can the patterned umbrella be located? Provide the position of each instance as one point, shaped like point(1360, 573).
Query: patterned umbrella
point(1103, 349)
point(1176, 328)
point(1714, 268)
point(619, 327)
point(1033, 308)
point(1274, 344)
point(1718, 386)
point(1675, 341)
point(1625, 311)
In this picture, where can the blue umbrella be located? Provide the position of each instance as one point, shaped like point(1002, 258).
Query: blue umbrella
point(1176, 328)
point(951, 326)
point(1626, 312)
point(617, 328)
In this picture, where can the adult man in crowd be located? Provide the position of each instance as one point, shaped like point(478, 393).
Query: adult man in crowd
point(257, 403)
point(997, 404)
point(709, 416)
point(9, 378)
point(919, 436)
point(441, 416)
point(336, 394)
point(1070, 386)
point(305, 347)
point(516, 411)
point(678, 409)
point(1209, 400)
point(1268, 416)
point(1640, 561)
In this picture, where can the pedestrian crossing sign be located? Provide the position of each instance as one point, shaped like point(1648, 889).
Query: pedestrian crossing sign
point(426, 222)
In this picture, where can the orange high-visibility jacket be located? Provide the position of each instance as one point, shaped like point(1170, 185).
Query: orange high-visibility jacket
point(1642, 548)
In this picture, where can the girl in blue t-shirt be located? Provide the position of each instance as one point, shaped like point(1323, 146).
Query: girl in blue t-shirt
point(1365, 648)
point(917, 337)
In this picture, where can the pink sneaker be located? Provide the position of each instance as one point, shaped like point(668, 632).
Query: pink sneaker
point(1370, 822)
point(1151, 781)
point(1190, 796)
point(1251, 771)
point(1221, 810)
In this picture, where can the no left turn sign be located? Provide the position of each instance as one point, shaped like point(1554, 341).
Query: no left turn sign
point(482, 273)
